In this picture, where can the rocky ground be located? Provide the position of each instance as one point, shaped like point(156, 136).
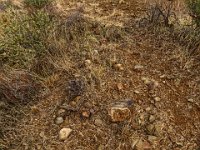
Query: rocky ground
point(135, 88)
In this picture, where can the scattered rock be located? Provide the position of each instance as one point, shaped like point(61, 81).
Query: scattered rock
point(148, 109)
point(59, 120)
point(98, 122)
point(85, 114)
point(120, 86)
point(64, 133)
point(191, 100)
point(2, 104)
point(150, 129)
point(152, 138)
point(143, 145)
point(163, 76)
point(143, 119)
point(88, 63)
point(157, 99)
point(137, 92)
point(61, 112)
point(134, 142)
point(159, 129)
point(152, 84)
point(146, 80)
point(120, 111)
point(152, 118)
point(138, 67)
point(35, 110)
point(118, 67)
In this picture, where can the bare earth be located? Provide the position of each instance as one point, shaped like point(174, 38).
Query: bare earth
point(164, 117)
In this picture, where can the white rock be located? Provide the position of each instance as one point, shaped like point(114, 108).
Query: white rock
point(157, 99)
point(191, 100)
point(64, 133)
point(138, 67)
point(59, 120)
point(137, 92)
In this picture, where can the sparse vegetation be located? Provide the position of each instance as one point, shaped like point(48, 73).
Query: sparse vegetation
point(194, 8)
point(68, 65)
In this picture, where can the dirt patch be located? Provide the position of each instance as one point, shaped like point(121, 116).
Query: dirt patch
point(154, 72)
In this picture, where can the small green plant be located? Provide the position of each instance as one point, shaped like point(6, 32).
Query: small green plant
point(23, 37)
point(38, 4)
point(194, 8)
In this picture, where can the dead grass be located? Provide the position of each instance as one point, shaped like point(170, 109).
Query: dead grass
point(79, 61)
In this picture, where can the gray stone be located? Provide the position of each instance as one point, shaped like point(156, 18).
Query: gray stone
point(59, 120)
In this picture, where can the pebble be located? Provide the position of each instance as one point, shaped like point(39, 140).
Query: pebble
point(2, 104)
point(143, 145)
point(119, 111)
point(136, 92)
point(152, 138)
point(120, 86)
point(61, 112)
point(148, 109)
point(64, 133)
point(118, 67)
point(138, 67)
point(98, 122)
point(157, 99)
point(150, 129)
point(86, 114)
point(59, 120)
point(88, 62)
point(159, 129)
point(191, 100)
point(152, 118)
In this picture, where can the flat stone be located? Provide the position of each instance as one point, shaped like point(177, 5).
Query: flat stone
point(119, 111)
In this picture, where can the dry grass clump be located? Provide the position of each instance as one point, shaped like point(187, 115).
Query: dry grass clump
point(162, 19)
point(18, 86)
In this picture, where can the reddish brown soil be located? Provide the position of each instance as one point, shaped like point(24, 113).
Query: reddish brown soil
point(177, 114)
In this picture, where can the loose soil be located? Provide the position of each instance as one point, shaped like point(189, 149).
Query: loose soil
point(176, 123)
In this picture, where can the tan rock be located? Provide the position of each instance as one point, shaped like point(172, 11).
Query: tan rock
point(143, 145)
point(118, 67)
point(86, 114)
point(119, 112)
point(64, 133)
point(120, 86)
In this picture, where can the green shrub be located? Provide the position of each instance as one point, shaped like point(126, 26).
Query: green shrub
point(23, 37)
point(194, 8)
